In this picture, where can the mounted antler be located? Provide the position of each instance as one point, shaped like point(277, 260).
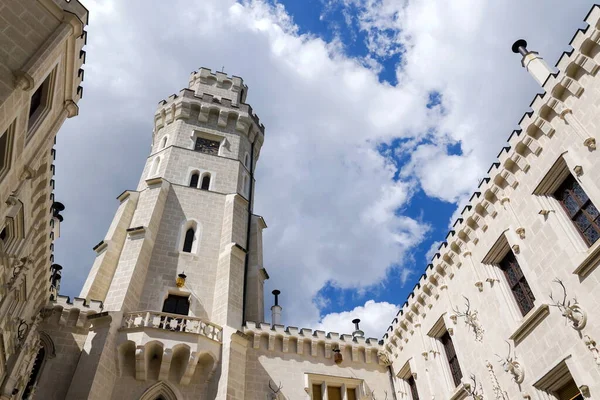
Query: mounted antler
point(470, 319)
point(473, 390)
point(275, 391)
point(512, 366)
point(572, 312)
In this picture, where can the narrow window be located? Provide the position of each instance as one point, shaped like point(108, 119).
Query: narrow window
point(413, 387)
point(580, 209)
point(163, 143)
point(334, 393)
point(35, 372)
point(246, 184)
point(351, 394)
point(247, 160)
point(189, 240)
point(205, 182)
point(452, 359)
point(207, 146)
point(317, 393)
point(517, 282)
point(6, 150)
point(194, 180)
point(40, 102)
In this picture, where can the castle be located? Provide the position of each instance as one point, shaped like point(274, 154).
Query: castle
point(173, 306)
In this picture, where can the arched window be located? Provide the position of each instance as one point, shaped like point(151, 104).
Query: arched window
point(194, 180)
point(155, 166)
point(205, 181)
point(188, 241)
point(247, 161)
point(246, 187)
point(163, 144)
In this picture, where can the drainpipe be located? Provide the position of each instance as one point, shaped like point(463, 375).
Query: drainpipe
point(247, 261)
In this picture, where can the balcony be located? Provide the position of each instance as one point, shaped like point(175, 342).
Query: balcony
point(156, 345)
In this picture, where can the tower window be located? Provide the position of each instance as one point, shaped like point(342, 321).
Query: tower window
point(455, 370)
point(194, 180)
point(580, 209)
point(40, 102)
point(246, 184)
point(5, 150)
point(163, 143)
point(207, 146)
point(188, 242)
point(517, 282)
point(155, 166)
point(247, 161)
point(205, 182)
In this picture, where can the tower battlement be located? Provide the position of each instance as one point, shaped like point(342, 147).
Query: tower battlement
point(219, 85)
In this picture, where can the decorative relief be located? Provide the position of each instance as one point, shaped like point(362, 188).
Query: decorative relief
point(471, 319)
point(499, 394)
point(473, 389)
point(593, 348)
point(571, 310)
point(512, 366)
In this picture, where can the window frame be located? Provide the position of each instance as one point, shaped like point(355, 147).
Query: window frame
point(594, 222)
point(36, 118)
point(454, 368)
point(7, 151)
point(522, 285)
point(345, 384)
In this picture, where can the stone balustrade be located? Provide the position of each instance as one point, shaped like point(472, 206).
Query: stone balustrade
point(171, 322)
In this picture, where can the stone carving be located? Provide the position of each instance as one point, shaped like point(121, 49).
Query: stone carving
point(512, 366)
point(275, 390)
point(471, 319)
point(498, 392)
point(574, 314)
point(473, 389)
point(383, 357)
point(593, 348)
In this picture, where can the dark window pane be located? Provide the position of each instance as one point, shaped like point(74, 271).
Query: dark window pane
point(580, 209)
point(205, 182)
point(452, 359)
point(517, 283)
point(36, 99)
point(189, 240)
point(35, 372)
point(194, 180)
point(413, 388)
point(207, 146)
point(4, 153)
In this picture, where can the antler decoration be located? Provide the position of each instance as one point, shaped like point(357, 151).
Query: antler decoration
point(473, 390)
point(470, 319)
point(570, 309)
point(275, 391)
point(512, 366)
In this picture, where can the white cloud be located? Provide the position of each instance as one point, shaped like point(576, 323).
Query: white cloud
point(374, 319)
point(329, 198)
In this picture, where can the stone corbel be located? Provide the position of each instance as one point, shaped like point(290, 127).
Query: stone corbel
point(71, 108)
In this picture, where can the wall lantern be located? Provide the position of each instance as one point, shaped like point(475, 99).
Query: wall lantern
point(180, 281)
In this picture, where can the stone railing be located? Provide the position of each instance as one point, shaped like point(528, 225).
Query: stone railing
point(171, 322)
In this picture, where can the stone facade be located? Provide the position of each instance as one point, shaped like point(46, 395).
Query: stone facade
point(41, 60)
point(505, 310)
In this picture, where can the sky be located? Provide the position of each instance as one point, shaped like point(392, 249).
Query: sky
point(381, 118)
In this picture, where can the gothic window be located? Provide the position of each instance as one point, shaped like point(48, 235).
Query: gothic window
point(517, 282)
point(452, 359)
point(40, 102)
point(580, 209)
point(163, 144)
point(194, 180)
point(247, 161)
point(413, 388)
point(5, 150)
point(207, 146)
point(205, 181)
point(176, 305)
point(189, 240)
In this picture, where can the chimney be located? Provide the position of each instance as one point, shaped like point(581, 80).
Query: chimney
point(276, 309)
point(357, 332)
point(533, 63)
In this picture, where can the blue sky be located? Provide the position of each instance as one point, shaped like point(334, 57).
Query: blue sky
point(381, 118)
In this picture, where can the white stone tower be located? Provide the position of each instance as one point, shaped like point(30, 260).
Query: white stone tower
point(180, 268)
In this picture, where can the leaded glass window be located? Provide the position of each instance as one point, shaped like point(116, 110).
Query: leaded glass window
point(517, 282)
point(580, 209)
point(207, 146)
point(452, 359)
